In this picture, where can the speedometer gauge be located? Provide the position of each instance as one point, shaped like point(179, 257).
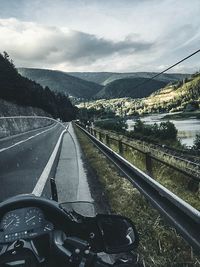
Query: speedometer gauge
point(34, 217)
point(10, 221)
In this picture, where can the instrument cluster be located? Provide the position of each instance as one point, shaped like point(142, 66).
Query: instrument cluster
point(25, 223)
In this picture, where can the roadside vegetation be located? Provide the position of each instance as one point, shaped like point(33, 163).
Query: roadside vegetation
point(165, 133)
point(116, 124)
point(180, 184)
point(197, 142)
point(160, 245)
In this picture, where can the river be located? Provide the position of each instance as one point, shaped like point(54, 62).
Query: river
point(187, 128)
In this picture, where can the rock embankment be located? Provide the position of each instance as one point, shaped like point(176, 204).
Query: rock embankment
point(18, 125)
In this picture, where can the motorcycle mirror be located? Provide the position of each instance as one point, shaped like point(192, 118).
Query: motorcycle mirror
point(118, 233)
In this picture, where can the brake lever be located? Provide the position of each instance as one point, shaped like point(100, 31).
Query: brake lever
point(58, 241)
point(72, 215)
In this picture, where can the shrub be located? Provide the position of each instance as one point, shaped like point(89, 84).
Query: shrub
point(117, 124)
point(197, 142)
point(162, 131)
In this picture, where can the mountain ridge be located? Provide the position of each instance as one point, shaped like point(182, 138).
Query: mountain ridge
point(61, 82)
point(106, 77)
point(130, 87)
point(81, 87)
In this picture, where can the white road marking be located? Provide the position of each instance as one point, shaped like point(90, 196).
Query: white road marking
point(20, 134)
point(25, 140)
point(37, 191)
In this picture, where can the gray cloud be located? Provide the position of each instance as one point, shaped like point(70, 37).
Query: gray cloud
point(114, 35)
point(89, 47)
point(36, 43)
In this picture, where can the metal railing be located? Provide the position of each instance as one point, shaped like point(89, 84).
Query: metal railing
point(182, 216)
point(187, 167)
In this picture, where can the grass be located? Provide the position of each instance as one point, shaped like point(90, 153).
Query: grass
point(175, 181)
point(160, 245)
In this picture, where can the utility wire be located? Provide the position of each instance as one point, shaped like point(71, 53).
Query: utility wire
point(158, 74)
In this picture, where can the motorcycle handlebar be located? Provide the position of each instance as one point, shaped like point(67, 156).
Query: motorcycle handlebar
point(84, 257)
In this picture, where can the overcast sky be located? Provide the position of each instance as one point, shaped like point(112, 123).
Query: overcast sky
point(101, 35)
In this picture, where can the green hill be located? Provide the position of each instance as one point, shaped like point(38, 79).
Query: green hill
point(105, 78)
point(62, 82)
point(125, 88)
point(181, 96)
point(96, 77)
point(175, 97)
point(88, 85)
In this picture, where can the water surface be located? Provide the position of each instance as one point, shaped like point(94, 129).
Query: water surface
point(187, 128)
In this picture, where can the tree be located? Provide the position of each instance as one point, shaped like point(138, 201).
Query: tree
point(139, 126)
point(168, 130)
point(164, 131)
point(22, 91)
point(197, 142)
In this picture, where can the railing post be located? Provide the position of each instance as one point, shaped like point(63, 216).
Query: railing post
point(120, 147)
point(148, 163)
point(193, 185)
point(107, 140)
point(94, 132)
point(100, 136)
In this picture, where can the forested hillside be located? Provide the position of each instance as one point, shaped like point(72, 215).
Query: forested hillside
point(62, 82)
point(129, 88)
point(175, 97)
point(22, 91)
point(105, 78)
point(90, 85)
point(181, 96)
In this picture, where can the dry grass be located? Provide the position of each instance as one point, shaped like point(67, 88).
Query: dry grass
point(160, 245)
point(175, 181)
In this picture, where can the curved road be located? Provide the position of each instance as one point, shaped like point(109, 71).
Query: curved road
point(23, 159)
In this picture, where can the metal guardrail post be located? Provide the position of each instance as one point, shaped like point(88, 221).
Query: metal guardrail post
point(100, 136)
point(193, 185)
point(107, 140)
point(94, 132)
point(120, 147)
point(148, 163)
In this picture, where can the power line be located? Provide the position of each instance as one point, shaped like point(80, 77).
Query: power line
point(158, 74)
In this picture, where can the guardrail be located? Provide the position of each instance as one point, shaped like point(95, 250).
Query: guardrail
point(182, 216)
point(187, 167)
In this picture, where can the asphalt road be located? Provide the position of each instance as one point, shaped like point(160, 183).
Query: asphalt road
point(23, 158)
point(71, 176)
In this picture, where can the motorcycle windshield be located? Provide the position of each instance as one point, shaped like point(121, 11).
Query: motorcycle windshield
point(29, 146)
